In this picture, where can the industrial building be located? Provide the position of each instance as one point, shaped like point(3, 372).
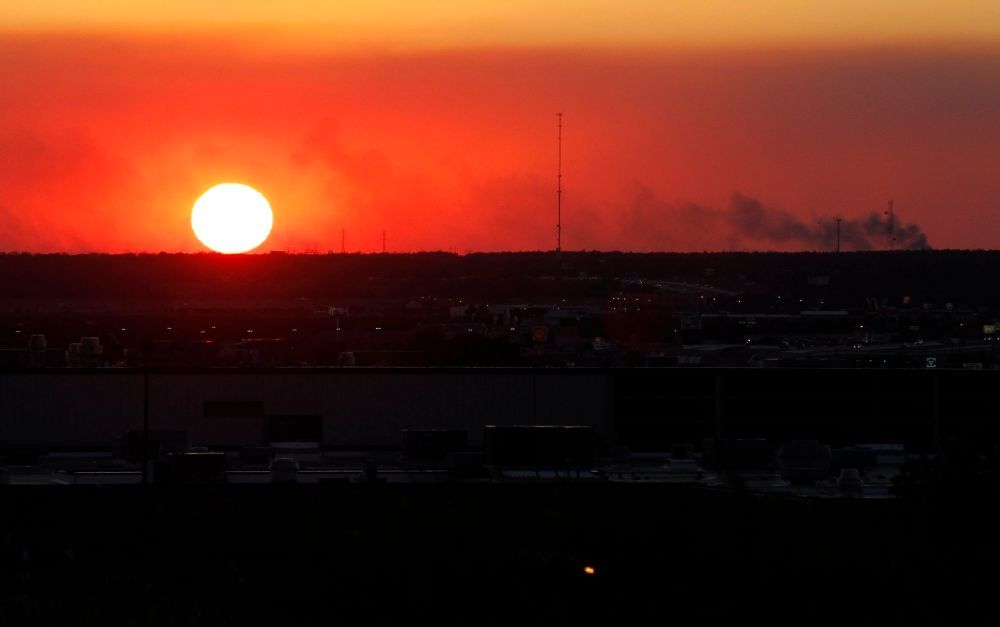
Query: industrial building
point(646, 408)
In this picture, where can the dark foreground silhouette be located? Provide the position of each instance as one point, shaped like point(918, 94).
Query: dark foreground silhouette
point(486, 554)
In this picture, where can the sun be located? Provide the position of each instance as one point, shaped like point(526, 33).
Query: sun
point(232, 218)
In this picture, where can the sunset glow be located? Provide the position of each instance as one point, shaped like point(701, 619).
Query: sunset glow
point(437, 24)
point(436, 122)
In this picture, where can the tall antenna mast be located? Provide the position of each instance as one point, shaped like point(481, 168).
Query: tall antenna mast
point(891, 227)
point(559, 192)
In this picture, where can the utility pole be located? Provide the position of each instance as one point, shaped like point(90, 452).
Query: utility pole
point(146, 462)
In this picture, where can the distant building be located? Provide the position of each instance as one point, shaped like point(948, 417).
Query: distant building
point(90, 352)
point(37, 346)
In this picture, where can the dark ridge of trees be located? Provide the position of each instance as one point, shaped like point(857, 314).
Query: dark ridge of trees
point(937, 276)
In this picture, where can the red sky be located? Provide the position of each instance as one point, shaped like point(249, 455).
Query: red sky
point(106, 140)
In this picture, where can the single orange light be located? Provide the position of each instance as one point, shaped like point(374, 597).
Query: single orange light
point(589, 570)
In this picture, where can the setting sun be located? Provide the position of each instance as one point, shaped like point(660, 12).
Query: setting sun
point(232, 218)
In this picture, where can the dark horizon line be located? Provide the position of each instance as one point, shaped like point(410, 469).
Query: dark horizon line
point(332, 253)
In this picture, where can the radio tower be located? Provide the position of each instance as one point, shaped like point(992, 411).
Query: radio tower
point(891, 227)
point(559, 192)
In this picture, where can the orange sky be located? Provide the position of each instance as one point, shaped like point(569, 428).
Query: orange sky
point(451, 23)
point(440, 128)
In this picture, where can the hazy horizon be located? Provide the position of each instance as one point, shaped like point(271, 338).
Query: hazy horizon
point(686, 127)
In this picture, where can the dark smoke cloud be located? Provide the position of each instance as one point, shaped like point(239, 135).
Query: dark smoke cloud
point(650, 223)
point(750, 219)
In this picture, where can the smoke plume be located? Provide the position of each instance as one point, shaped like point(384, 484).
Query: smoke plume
point(750, 219)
